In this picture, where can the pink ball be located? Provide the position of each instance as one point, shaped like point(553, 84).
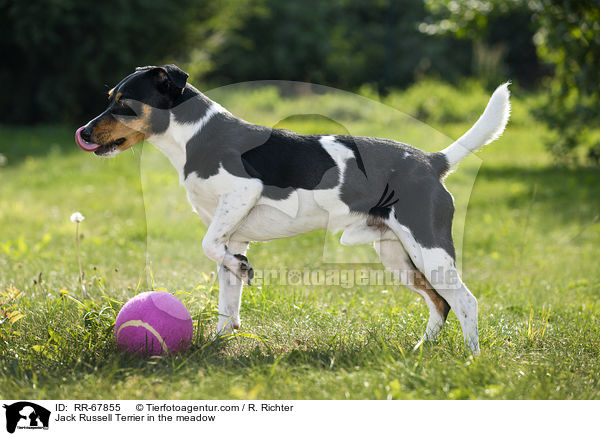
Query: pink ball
point(153, 323)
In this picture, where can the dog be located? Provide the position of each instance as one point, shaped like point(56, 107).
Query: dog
point(253, 183)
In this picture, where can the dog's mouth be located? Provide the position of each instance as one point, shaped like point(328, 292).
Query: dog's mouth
point(96, 148)
point(109, 148)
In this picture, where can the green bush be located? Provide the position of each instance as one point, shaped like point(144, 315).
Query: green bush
point(565, 34)
point(341, 43)
point(59, 54)
point(568, 38)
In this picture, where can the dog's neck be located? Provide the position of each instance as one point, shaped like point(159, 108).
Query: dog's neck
point(185, 121)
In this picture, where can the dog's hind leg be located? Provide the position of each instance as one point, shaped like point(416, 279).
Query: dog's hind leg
point(394, 257)
point(230, 293)
point(438, 267)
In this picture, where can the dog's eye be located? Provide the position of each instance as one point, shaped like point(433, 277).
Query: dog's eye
point(122, 108)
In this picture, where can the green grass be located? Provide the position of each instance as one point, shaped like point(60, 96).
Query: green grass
point(530, 251)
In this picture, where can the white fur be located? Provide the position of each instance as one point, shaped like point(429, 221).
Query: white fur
point(230, 293)
point(488, 127)
point(233, 207)
point(361, 233)
point(289, 206)
point(338, 152)
point(329, 199)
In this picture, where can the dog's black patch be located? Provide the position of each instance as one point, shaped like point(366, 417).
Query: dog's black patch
point(142, 86)
point(220, 142)
point(427, 209)
point(281, 160)
point(289, 160)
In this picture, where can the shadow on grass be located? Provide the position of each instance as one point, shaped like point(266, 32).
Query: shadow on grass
point(569, 194)
point(227, 355)
point(233, 355)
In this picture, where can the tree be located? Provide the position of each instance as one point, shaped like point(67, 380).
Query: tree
point(59, 54)
point(344, 43)
point(567, 36)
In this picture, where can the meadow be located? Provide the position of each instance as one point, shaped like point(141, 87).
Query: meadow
point(527, 229)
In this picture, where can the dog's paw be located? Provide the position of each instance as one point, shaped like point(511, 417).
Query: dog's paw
point(228, 325)
point(244, 270)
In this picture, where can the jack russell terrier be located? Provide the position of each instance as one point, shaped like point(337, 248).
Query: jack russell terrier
point(254, 183)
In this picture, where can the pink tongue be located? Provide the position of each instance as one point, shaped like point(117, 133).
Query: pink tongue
point(82, 143)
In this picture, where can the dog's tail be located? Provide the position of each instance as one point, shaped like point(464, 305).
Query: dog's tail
point(488, 127)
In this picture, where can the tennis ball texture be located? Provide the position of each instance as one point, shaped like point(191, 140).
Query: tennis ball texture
point(153, 323)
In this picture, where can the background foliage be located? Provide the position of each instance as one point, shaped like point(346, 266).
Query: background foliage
point(59, 53)
point(566, 35)
point(343, 43)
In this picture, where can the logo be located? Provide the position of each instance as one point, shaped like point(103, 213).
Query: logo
point(26, 415)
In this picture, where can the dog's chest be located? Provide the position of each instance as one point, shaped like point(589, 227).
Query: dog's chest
point(204, 201)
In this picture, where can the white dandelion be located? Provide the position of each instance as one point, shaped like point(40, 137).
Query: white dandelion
point(77, 217)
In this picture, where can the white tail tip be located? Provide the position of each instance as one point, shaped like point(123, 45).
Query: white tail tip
point(488, 127)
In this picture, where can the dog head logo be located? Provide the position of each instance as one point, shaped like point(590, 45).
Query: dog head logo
point(26, 415)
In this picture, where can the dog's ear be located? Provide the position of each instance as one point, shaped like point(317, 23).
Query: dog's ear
point(176, 75)
point(170, 79)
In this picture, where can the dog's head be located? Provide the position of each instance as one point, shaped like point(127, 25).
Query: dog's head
point(138, 108)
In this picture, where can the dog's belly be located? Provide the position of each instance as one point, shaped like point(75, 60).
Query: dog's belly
point(303, 211)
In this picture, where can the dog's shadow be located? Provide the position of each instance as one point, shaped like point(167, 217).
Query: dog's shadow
point(245, 351)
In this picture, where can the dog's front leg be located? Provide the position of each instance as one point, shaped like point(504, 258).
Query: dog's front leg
point(231, 210)
point(234, 267)
point(230, 293)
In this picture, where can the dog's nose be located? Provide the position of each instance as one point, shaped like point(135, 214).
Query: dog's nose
point(86, 134)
